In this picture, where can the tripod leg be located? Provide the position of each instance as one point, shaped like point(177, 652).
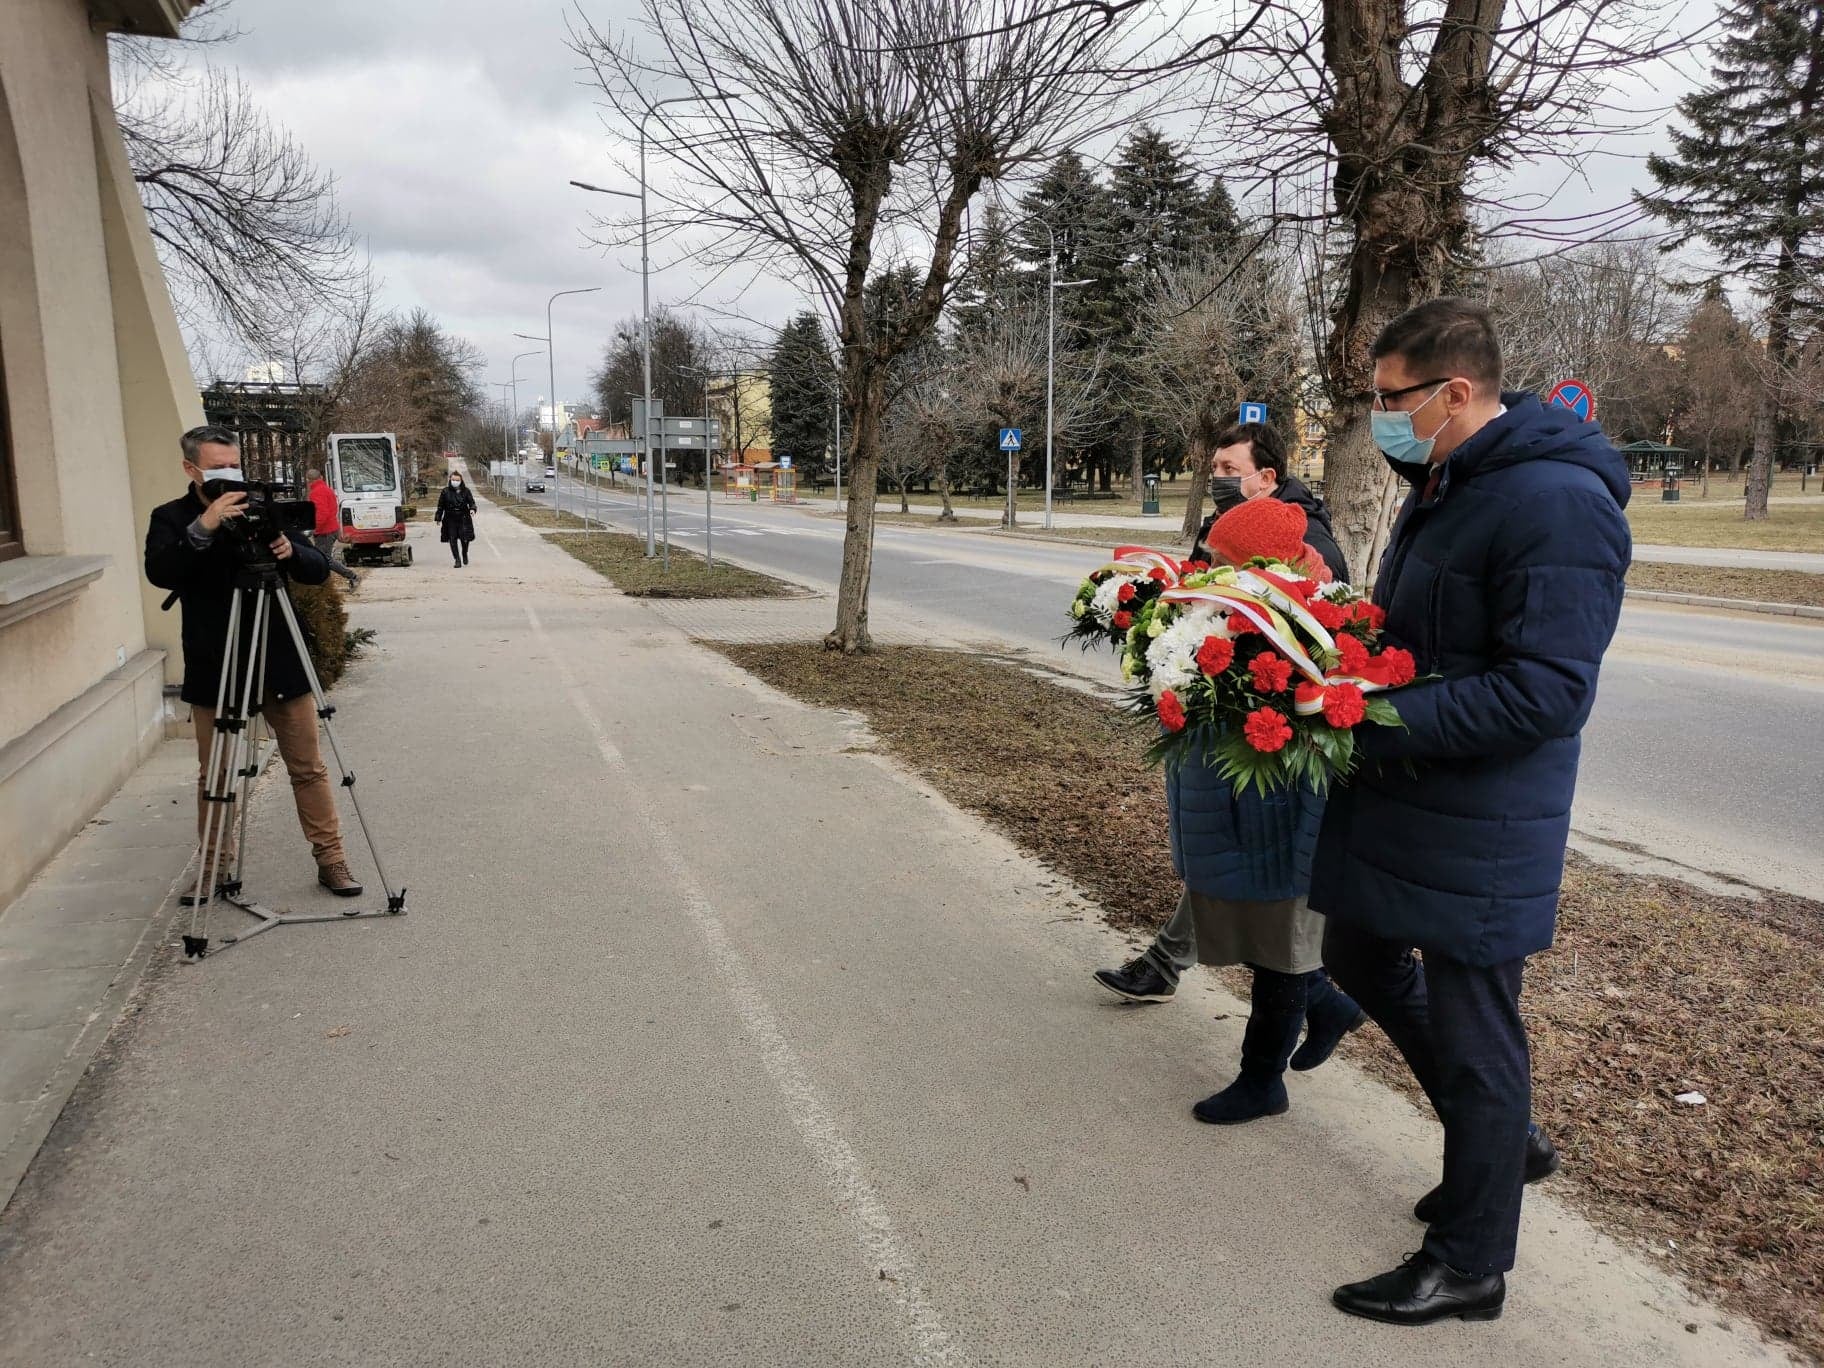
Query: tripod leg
point(395, 902)
point(214, 824)
point(249, 769)
point(232, 725)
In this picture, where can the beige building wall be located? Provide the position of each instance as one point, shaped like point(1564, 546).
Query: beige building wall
point(97, 390)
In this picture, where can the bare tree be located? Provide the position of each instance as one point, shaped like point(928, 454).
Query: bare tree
point(861, 132)
point(1216, 331)
point(1392, 121)
point(246, 225)
point(999, 363)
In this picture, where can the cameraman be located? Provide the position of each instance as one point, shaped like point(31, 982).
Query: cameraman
point(189, 550)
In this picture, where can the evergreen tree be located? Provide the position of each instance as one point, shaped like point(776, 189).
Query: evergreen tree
point(804, 395)
point(990, 276)
point(1747, 178)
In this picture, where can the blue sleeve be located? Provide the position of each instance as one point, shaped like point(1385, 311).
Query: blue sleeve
point(1554, 597)
point(307, 565)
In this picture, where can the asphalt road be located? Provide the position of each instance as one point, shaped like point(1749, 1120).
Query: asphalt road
point(1692, 751)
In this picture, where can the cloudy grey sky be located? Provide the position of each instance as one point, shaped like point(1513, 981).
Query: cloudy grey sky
point(453, 126)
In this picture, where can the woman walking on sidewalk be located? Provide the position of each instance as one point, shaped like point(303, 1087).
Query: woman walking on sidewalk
point(1245, 859)
point(456, 511)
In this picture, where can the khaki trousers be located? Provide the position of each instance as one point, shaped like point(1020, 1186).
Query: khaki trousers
point(294, 726)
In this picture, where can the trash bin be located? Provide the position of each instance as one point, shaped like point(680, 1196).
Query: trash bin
point(753, 493)
point(1668, 484)
point(1149, 500)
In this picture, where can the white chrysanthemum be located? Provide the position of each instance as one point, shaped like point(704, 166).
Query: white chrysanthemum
point(1171, 658)
point(1334, 589)
point(1107, 601)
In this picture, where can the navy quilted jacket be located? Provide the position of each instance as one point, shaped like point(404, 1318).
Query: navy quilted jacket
point(1240, 846)
point(1507, 583)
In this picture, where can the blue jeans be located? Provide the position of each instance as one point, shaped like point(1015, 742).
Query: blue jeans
point(1459, 1027)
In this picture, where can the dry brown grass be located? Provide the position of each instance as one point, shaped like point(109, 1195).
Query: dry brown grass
point(1653, 989)
point(1762, 586)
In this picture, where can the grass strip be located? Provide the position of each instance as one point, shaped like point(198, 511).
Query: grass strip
point(1787, 527)
point(1654, 988)
point(1762, 586)
point(621, 558)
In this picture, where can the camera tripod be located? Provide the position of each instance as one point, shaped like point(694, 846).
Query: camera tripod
point(259, 590)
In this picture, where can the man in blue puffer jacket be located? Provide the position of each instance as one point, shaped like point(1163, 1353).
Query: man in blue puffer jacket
point(1503, 577)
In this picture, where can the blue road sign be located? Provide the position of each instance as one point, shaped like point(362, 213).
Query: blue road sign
point(1253, 413)
point(1576, 396)
point(1010, 439)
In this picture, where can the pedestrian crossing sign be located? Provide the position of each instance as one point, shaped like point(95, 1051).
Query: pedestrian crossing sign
point(1010, 439)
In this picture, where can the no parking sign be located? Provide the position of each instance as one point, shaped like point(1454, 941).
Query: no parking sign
point(1576, 396)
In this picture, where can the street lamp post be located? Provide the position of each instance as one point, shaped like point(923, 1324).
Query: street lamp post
point(506, 420)
point(646, 309)
point(515, 370)
point(557, 477)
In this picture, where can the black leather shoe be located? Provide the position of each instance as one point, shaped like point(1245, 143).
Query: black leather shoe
point(1421, 1290)
point(1541, 1163)
point(1137, 981)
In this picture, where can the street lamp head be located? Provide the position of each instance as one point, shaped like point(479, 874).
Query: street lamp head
point(604, 190)
point(533, 337)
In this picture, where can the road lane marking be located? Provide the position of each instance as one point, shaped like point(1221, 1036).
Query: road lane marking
point(857, 1198)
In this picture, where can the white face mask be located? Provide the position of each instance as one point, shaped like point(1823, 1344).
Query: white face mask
point(226, 474)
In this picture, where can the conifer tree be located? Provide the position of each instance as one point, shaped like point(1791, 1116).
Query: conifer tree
point(1747, 178)
point(804, 394)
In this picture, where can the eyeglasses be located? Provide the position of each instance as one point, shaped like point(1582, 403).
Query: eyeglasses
point(1382, 396)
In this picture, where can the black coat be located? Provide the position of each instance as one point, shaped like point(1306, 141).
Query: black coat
point(456, 511)
point(204, 583)
point(1506, 584)
point(1318, 535)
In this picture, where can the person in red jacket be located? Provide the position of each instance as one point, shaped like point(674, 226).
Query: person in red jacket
point(329, 525)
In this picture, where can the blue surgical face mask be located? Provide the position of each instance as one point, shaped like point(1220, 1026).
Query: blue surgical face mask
point(1394, 435)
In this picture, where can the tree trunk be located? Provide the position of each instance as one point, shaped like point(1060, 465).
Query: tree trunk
point(947, 513)
point(1137, 456)
point(904, 507)
point(1193, 497)
point(1760, 466)
point(1104, 475)
point(863, 430)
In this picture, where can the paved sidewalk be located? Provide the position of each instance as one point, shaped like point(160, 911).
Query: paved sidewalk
point(73, 943)
point(713, 1038)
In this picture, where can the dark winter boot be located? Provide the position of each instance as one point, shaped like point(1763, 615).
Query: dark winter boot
point(1274, 1019)
point(1330, 1014)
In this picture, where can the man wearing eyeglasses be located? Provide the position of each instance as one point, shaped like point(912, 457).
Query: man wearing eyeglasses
point(1503, 577)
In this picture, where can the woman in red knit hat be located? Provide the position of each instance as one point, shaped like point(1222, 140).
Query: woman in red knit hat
point(1245, 860)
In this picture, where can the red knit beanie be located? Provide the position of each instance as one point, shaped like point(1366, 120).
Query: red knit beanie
point(1259, 527)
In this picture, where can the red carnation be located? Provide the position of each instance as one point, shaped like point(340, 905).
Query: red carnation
point(1158, 574)
point(1171, 711)
point(1215, 655)
point(1399, 665)
point(1330, 616)
point(1307, 694)
point(1266, 730)
point(1240, 624)
point(1123, 620)
point(1125, 592)
point(1195, 567)
point(1271, 673)
point(1354, 654)
point(1343, 705)
point(1370, 614)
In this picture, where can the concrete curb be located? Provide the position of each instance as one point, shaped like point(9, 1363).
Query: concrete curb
point(1734, 605)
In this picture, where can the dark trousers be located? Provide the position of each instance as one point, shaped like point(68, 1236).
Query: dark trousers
point(459, 551)
point(1459, 1027)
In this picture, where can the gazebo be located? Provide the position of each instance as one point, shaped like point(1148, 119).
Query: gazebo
point(1648, 460)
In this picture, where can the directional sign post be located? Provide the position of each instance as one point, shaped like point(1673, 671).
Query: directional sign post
point(1254, 413)
point(1010, 439)
point(1576, 396)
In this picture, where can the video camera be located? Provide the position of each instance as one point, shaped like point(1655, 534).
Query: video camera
point(272, 507)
